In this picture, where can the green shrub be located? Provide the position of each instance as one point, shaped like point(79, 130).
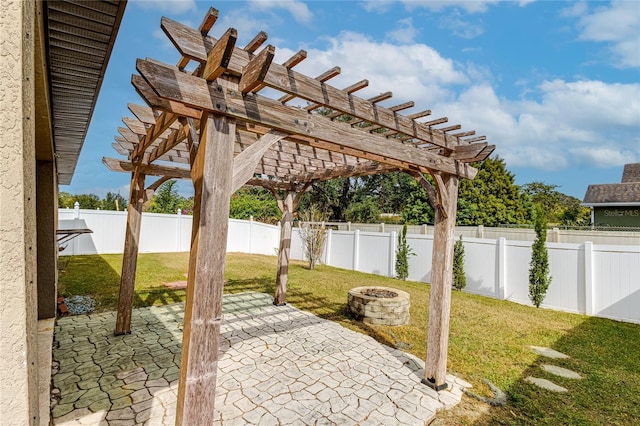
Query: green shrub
point(459, 279)
point(402, 255)
point(539, 276)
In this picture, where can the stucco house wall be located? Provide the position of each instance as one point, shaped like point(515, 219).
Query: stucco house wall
point(18, 303)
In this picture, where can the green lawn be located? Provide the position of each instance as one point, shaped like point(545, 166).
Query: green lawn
point(488, 339)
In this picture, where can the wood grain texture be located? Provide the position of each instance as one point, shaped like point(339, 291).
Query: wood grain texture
point(271, 113)
point(130, 255)
point(245, 163)
point(441, 282)
point(203, 307)
point(190, 42)
point(286, 224)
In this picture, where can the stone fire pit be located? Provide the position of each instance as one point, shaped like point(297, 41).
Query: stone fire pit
point(379, 305)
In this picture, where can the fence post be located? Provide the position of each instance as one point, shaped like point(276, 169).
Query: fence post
point(356, 249)
point(251, 234)
point(502, 269)
point(424, 229)
point(327, 248)
point(480, 231)
point(76, 224)
point(178, 230)
point(381, 227)
point(588, 278)
point(348, 226)
point(555, 235)
point(392, 253)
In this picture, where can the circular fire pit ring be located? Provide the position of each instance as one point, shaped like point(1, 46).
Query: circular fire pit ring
point(379, 305)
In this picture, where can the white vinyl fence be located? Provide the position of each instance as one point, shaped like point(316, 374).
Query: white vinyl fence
point(598, 280)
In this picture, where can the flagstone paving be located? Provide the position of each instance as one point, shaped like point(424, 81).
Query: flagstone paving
point(278, 365)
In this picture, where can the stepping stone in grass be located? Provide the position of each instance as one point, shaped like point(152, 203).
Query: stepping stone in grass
point(562, 372)
point(548, 352)
point(546, 384)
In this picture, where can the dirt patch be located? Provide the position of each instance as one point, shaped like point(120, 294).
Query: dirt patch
point(176, 284)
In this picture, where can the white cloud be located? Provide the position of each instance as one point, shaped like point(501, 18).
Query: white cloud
point(468, 6)
point(573, 123)
point(297, 9)
point(174, 6)
point(618, 25)
point(405, 32)
point(413, 71)
point(379, 6)
point(460, 27)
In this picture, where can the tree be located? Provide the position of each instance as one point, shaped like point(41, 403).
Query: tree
point(87, 201)
point(166, 198)
point(539, 276)
point(492, 198)
point(364, 211)
point(417, 210)
point(254, 202)
point(558, 207)
point(459, 278)
point(402, 255)
point(109, 202)
point(313, 233)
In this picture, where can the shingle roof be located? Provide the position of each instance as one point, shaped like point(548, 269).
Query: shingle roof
point(631, 173)
point(626, 192)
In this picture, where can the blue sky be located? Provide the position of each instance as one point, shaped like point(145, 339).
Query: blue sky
point(555, 85)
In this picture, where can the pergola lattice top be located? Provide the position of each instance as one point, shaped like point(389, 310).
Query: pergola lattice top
point(366, 139)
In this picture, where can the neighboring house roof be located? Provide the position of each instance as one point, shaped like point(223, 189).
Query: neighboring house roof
point(625, 193)
point(79, 37)
point(631, 173)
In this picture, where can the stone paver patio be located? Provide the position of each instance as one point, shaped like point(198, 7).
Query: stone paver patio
point(278, 365)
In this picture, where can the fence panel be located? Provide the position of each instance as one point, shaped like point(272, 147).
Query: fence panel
point(374, 256)
point(158, 233)
point(342, 249)
point(481, 266)
point(420, 261)
point(616, 292)
point(566, 291)
point(518, 256)
point(265, 238)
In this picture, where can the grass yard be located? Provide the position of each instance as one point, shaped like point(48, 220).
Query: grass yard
point(488, 338)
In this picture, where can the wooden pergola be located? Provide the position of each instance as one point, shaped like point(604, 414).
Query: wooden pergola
point(216, 126)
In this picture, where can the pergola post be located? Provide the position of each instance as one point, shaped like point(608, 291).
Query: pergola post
point(212, 176)
point(287, 207)
point(130, 255)
point(435, 371)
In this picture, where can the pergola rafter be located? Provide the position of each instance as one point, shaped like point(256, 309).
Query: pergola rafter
point(213, 125)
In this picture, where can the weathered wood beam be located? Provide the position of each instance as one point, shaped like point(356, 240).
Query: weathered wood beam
point(435, 371)
point(349, 89)
point(207, 23)
point(256, 42)
point(149, 96)
point(130, 255)
point(271, 113)
point(175, 137)
point(163, 122)
point(286, 225)
point(151, 189)
point(450, 128)
point(203, 306)
point(219, 56)
point(191, 43)
point(482, 155)
point(254, 73)
point(325, 76)
point(123, 166)
point(294, 60)
point(463, 134)
point(476, 139)
point(244, 164)
point(467, 151)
